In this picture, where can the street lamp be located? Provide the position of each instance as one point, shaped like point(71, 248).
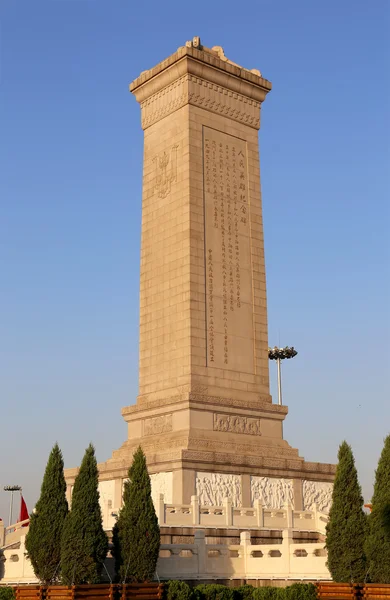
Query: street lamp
point(279, 354)
point(12, 489)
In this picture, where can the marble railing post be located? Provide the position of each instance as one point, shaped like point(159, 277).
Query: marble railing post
point(317, 522)
point(200, 543)
point(161, 509)
point(245, 542)
point(289, 515)
point(195, 510)
point(287, 535)
point(259, 513)
point(228, 509)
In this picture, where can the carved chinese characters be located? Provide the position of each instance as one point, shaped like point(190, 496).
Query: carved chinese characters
point(236, 424)
point(229, 299)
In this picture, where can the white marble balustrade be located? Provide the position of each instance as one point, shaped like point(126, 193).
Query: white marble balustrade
point(244, 561)
point(227, 516)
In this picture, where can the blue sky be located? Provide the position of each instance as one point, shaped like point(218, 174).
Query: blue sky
point(70, 189)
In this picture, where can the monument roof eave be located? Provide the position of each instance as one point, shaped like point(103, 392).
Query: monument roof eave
point(205, 64)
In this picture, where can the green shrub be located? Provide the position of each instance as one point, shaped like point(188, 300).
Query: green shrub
point(269, 593)
point(301, 591)
point(43, 541)
point(7, 593)
point(378, 540)
point(346, 529)
point(84, 543)
point(178, 590)
point(213, 591)
point(136, 535)
point(244, 592)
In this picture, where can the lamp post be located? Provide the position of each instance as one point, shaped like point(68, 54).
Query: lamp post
point(280, 354)
point(12, 489)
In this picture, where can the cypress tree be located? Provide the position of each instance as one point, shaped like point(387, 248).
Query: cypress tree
point(84, 543)
point(378, 540)
point(121, 543)
point(137, 534)
point(347, 525)
point(43, 540)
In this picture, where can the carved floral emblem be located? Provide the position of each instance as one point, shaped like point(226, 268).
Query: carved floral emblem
point(166, 171)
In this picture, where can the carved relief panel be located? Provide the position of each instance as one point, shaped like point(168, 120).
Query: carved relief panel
point(157, 425)
point(162, 484)
point(212, 488)
point(272, 492)
point(317, 493)
point(236, 424)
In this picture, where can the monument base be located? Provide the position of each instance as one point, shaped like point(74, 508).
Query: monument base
point(215, 448)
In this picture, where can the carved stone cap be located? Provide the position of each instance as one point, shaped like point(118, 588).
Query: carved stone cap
point(208, 64)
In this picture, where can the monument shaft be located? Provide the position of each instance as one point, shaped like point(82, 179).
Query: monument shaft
point(203, 313)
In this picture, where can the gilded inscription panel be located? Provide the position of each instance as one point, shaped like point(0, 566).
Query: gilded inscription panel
point(229, 297)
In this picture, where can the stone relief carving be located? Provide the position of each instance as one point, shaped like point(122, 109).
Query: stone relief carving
point(158, 424)
point(156, 107)
point(236, 424)
point(272, 492)
point(212, 488)
point(201, 93)
point(317, 493)
point(233, 459)
point(166, 171)
point(263, 451)
point(161, 484)
point(199, 389)
point(262, 403)
point(153, 445)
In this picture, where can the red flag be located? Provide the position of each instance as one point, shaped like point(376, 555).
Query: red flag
point(23, 515)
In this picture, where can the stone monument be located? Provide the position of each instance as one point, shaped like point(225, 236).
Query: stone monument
point(204, 415)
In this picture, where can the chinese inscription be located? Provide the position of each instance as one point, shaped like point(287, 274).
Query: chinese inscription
point(227, 245)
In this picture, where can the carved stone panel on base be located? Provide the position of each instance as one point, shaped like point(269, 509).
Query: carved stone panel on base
point(317, 493)
point(158, 425)
point(236, 424)
point(272, 492)
point(162, 484)
point(212, 488)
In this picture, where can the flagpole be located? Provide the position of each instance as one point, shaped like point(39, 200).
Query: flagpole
point(12, 489)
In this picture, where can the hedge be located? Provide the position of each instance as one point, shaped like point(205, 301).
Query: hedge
point(7, 593)
point(269, 593)
point(213, 591)
point(179, 590)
